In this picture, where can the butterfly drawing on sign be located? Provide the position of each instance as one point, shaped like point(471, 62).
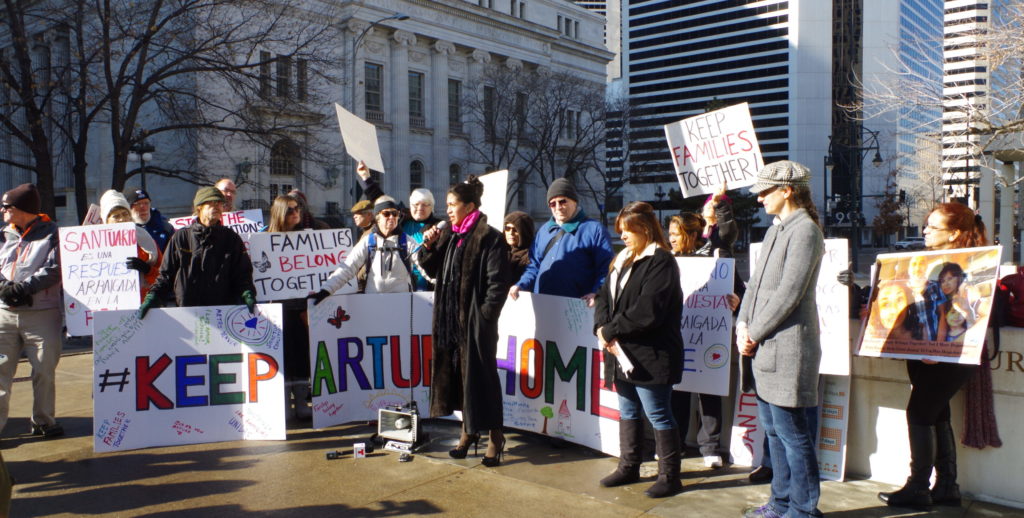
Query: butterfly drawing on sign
point(339, 316)
point(263, 264)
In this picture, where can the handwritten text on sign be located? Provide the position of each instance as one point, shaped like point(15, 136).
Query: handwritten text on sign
point(714, 147)
point(707, 323)
point(243, 222)
point(94, 273)
point(187, 376)
point(289, 265)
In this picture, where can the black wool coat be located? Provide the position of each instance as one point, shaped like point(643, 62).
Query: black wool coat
point(646, 319)
point(483, 288)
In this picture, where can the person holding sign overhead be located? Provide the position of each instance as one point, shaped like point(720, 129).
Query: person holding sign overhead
point(469, 259)
point(206, 263)
point(777, 327)
point(638, 323)
point(933, 385)
point(720, 229)
point(30, 305)
point(571, 252)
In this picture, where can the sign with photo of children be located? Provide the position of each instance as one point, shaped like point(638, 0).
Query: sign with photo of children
point(931, 305)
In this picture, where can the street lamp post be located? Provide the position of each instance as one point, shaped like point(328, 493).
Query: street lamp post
point(352, 63)
point(840, 153)
point(660, 194)
point(142, 152)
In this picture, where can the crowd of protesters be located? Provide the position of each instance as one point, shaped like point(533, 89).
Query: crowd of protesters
point(472, 269)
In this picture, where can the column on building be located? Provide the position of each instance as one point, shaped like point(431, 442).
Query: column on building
point(397, 179)
point(436, 175)
point(479, 59)
point(1006, 219)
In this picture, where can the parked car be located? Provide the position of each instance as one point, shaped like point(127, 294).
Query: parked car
point(910, 243)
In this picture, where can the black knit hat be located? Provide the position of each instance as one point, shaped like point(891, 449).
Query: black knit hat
point(136, 195)
point(563, 187)
point(23, 197)
point(383, 203)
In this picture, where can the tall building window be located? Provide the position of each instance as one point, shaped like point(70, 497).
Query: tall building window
point(454, 174)
point(284, 67)
point(416, 100)
point(521, 188)
point(265, 66)
point(455, 106)
point(489, 112)
point(285, 159)
point(374, 87)
point(520, 113)
point(415, 174)
point(282, 76)
point(486, 3)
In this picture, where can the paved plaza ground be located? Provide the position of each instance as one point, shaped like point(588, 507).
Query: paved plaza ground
point(63, 477)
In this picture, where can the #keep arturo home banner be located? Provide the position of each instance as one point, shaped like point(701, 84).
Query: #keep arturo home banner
point(187, 376)
point(932, 305)
point(363, 358)
point(94, 274)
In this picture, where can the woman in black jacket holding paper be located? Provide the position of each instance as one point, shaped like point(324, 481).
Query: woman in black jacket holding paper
point(637, 322)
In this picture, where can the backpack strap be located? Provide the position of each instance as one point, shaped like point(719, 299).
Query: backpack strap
point(551, 244)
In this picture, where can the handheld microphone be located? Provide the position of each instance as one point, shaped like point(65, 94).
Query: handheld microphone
point(440, 226)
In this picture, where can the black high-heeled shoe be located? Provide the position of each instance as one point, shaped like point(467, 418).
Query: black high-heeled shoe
point(460, 451)
point(494, 461)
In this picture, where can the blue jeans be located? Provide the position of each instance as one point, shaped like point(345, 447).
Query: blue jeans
point(812, 423)
point(795, 486)
point(654, 400)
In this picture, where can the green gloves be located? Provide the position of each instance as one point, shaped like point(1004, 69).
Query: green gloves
point(151, 301)
point(250, 301)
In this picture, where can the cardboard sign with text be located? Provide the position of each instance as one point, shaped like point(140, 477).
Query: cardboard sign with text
point(289, 265)
point(187, 376)
point(714, 147)
point(833, 302)
point(243, 222)
point(707, 323)
point(94, 274)
point(932, 305)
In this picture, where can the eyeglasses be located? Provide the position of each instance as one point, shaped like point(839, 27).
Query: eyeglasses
point(291, 210)
point(6, 206)
point(389, 213)
point(558, 203)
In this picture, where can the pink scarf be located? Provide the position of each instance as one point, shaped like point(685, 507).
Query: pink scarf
point(467, 223)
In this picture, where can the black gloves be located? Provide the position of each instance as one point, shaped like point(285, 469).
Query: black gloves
point(134, 263)
point(319, 296)
point(15, 294)
point(151, 301)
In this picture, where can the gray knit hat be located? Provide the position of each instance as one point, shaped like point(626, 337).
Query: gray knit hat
point(783, 172)
point(563, 187)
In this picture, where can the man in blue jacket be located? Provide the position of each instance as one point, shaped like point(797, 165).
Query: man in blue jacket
point(571, 252)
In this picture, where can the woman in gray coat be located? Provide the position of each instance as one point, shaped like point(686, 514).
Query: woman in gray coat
point(778, 327)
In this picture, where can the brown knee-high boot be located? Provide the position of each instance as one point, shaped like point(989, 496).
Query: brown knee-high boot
point(915, 492)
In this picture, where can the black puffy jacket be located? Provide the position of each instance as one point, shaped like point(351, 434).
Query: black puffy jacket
point(205, 266)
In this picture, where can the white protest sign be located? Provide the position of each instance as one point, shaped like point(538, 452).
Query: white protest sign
point(746, 446)
point(547, 357)
point(706, 324)
point(833, 420)
point(187, 376)
point(243, 222)
point(93, 216)
point(289, 265)
point(492, 202)
point(833, 302)
point(714, 147)
point(94, 274)
point(551, 369)
point(361, 362)
point(360, 138)
point(834, 309)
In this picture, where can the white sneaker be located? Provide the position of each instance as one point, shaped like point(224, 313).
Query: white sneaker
point(712, 461)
